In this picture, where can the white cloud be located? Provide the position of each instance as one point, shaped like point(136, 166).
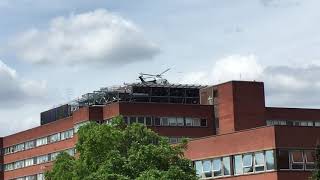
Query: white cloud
point(15, 91)
point(285, 85)
point(97, 37)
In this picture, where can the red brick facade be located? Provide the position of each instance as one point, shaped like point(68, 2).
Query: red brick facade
point(236, 123)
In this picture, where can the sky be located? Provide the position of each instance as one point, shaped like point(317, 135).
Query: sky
point(54, 51)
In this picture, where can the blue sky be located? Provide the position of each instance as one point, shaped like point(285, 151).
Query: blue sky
point(53, 51)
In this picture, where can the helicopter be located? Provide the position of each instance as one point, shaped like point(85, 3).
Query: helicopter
point(153, 78)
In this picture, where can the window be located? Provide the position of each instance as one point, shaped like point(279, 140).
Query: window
point(310, 158)
point(296, 159)
point(196, 122)
point(54, 138)
point(8, 150)
point(207, 169)
point(30, 145)
point(172, 121)
point(247, 163)
point(132, 120)
point(42, 141)
point(67, 134)
point(317, 124)
point(54, 156)
point(8, 167)
point(157, 121)
point(296, 123)
point(270, 160)
point(77, 126)
point(283, 159)
point(217, 170)
point(269, 122)
point(198, 165)
point(259, 161)
point(238, 168)
point(164, 121)
point(19, 164)
point(29, 162)
point(71, 152)
point(31, 177)
point(141, 120)
point(40, 177)
point(306, 123)
point(180, 121)
point(19, 147)
point(310, 123)
point(226, 166)
point(173, 140)
point(148, 121)
point(125, 119)
point(203, 122)
point(42, 159)
point(188, 121)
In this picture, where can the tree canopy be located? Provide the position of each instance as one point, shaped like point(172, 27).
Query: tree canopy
point(316, 173)
point(116, 151)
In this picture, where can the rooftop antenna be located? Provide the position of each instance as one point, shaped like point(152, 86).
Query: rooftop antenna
point(153, 78)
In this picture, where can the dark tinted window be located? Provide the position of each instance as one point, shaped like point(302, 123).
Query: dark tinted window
point(283, 159)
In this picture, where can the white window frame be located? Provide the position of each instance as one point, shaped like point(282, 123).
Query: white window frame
point(180, 121)
point(164, 119)
point(189, 121)
point(216, 170)
point(259, 165)
point(144, 120)
point(306, 160)
point(249, 166)
point(292, 162)
point(42, 141)
point(196, 122)
point(19, 164)
point(42, 159)
point(29, 162)
point(172, 121)
point(210, 169)
point(55, 138)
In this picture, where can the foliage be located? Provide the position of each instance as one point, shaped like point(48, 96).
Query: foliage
point(119, 152)
point(316, 173)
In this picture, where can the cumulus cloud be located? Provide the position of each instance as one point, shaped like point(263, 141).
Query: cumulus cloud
point(15, 91)
point(97, 37)
point(284, 85)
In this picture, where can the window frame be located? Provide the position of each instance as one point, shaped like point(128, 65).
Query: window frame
point(251, 166)
point(259, 165)
point(292, 162)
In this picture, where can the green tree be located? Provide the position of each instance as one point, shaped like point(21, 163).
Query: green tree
point(316, 173)
point(119, 152)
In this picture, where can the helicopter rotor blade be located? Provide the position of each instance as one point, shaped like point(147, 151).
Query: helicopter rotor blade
point(164, 72)
point(147, 74)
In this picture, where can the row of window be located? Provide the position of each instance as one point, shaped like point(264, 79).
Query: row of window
point(236, 165)
point(293, 123)
point(39, 142)
point(175, 140)
point(296, 159)
point(166, 121)
point(35, 160)
point(32, 177)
